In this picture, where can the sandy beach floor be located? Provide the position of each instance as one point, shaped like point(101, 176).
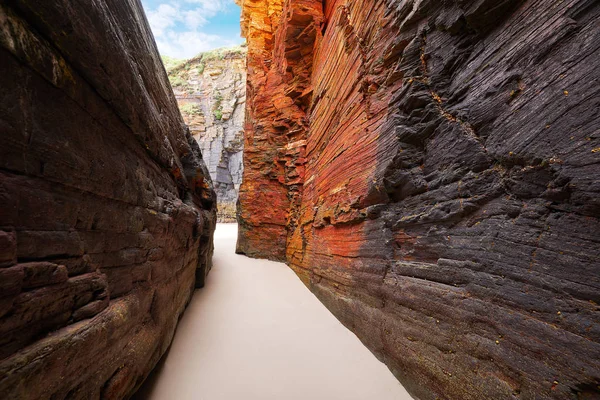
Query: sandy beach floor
point(256, 332)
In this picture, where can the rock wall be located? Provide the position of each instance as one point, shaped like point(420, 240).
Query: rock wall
point(106, 207)
point(211, 92)
point(280, 56)
point(430, 170)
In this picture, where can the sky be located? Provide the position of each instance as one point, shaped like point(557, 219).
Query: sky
point(184, 28)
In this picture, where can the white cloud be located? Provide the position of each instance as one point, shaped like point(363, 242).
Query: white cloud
point(211, 6)
point(194, 19)
point(163, 18)
point(176, 26)
point(187, 44)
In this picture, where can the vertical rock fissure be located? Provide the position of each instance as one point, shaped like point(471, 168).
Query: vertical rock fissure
point(211, 92)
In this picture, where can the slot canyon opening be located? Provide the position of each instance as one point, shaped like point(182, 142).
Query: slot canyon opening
point(205, 58)
point(394, 199)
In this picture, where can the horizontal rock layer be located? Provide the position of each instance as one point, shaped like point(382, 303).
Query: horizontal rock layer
point(106, 207)
point(430, 170)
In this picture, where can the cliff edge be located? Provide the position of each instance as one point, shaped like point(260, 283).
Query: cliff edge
point(211, 92)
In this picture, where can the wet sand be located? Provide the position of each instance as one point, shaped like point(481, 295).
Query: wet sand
point(256, 332)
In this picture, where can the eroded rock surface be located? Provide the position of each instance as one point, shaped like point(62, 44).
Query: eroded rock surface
point(106, 207)
point(211, 93)
point(280, 61)
point(430, 170)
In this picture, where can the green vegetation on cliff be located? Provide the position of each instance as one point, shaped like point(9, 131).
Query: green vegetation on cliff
point(171, 62)
point(190, 109)
point(180, 68)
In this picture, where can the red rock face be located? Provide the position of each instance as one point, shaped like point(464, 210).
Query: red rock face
point(443, 200)
point(106, 208)
point(281, 40)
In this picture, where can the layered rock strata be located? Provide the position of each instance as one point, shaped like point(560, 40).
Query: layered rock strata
point(281, 43)
point(211, 93)
point(106, 207)
point(430, 170)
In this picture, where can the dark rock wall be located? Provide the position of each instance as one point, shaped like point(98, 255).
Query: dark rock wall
point(450, 201)
point(106, 207)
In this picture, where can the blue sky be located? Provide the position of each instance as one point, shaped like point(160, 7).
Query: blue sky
point(184, 28)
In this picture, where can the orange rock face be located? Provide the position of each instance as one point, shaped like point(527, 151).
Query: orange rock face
point(284, 40)
point(344, 140)
point(427, 170)
point(281, 44)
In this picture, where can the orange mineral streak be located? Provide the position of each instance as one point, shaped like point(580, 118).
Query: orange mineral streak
point(281, 40)
point(344, 146)
point(314, 156)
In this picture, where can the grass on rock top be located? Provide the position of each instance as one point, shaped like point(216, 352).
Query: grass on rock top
point(175, 65)
point(179, 70)
point(190, 109)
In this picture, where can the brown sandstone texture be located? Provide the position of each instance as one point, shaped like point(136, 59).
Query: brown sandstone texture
point(430, 169)
point(211, 92)
point(106, 207)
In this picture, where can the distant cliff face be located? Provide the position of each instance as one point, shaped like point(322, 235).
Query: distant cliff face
point(211, 92)
point(106, 208)
point(430, 170)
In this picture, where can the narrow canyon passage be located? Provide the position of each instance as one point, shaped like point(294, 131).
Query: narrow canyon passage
point(429, 172)
point(256, 332)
